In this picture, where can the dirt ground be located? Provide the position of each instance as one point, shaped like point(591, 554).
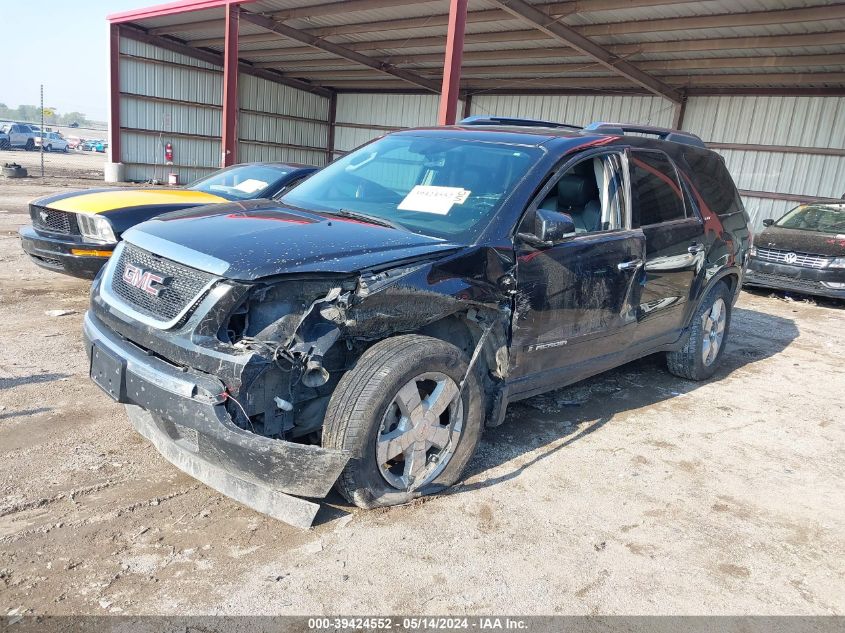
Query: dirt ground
point(632, 493)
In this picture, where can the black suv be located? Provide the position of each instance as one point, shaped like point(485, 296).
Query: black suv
point(360, 331)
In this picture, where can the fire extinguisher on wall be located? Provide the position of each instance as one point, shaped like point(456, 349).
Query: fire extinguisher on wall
point(168, 153)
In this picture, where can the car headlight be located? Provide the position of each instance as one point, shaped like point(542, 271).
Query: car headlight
point(752, 252)
point(95, 228)
point(838, 262)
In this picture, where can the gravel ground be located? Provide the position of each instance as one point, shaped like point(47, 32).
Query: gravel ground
point(632, 493)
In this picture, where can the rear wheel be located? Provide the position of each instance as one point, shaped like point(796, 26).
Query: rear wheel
point(401, 413)
point(49, 148)
point(30, 145)
point(700, 357)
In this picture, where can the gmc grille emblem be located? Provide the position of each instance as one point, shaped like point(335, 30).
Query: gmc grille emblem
point(149, 281)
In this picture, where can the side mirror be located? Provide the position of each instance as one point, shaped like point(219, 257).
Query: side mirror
point(551, 227)
point(768, 222)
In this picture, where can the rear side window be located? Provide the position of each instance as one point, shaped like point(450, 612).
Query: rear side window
point(656, 192)
point(713, 182)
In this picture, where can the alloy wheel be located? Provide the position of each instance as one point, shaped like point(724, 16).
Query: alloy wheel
point(713, 331)
point(419, 431)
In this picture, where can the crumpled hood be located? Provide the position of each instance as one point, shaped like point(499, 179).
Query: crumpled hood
point(104, 200)
point(261, 238)
point(827, 244)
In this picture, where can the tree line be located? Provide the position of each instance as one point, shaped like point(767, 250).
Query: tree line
point(32, 114)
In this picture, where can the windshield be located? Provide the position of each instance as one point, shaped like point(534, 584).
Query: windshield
point(241, 182)
point(824, 218)
point(446, 188)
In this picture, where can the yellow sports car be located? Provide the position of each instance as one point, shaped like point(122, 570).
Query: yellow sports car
point(75, 233)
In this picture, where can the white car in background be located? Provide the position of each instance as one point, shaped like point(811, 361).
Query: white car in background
point(52, 141)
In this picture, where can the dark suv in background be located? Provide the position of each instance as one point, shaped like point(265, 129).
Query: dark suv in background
point(361, 330)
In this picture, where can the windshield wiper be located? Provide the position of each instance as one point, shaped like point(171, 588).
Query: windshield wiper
point(365, 217)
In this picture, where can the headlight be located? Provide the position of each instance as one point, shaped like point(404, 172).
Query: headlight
point(838, 262)
point(752, 252)
point(95, 228)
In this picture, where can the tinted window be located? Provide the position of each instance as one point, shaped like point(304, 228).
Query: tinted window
point(655, 190)
point(713, 182)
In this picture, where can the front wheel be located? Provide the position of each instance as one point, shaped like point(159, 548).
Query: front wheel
point(402, 414)
point(700, 357)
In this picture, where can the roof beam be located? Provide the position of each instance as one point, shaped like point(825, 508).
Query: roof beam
point(177, 46)
point(554, 9)
point(335, 8)
point(674, 46)
point(706, 63)
point(722, 20)
point(698, 84)
point(570, 37)
point(340, 51)
point(563, 9)
point(440, 19)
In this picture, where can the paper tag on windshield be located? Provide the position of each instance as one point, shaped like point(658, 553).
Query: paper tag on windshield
point(250, 185)
point(433, 199)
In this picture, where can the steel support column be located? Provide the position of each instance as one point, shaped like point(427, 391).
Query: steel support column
point(114, 93)
point(332, 128)
point(230, 87)
point(452, 64)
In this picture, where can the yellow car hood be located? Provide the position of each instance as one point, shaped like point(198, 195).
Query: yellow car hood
point(102, 201)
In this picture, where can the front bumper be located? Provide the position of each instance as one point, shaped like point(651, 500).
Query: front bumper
point(182, 413)
point(810, 281)
point(54, 253)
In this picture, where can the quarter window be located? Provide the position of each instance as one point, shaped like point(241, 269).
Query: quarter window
point(656, 192)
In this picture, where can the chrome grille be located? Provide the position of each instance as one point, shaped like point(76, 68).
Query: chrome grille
point(53, 220)
point(182, 288)
point(807, 260)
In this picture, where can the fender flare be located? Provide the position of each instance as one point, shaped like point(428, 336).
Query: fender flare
point(711, 283)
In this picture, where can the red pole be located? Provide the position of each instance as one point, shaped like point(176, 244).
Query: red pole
point(230, 87)
point(452, 64)
point(114, 93)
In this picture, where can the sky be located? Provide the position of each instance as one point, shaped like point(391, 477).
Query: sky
point(68, 53)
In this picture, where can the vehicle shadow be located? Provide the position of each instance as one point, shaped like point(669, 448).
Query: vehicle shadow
point(32, 379)
point(25, 413)
point(788, 295)
point(574, 412)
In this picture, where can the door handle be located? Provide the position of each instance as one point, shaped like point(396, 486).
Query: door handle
point(631, 265)
point(695, 248)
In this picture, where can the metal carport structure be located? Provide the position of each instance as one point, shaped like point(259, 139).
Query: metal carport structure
point(763, 82)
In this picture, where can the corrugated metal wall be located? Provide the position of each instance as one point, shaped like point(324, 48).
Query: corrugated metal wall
point(171, 98)
point(362, 117)
point(168, 98)
point(578, 110)
point(796, 122)
point(278, 123)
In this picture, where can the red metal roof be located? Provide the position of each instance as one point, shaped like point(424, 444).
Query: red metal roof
point(171, 8)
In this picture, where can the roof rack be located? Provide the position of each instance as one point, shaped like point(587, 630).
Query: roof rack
point(664, 134)
point(503, 120)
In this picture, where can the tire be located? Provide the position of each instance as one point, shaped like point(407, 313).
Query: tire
point(30, 145)
point(700, 356)
point(14, 171)
point(364, 407)
point(49, 148)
